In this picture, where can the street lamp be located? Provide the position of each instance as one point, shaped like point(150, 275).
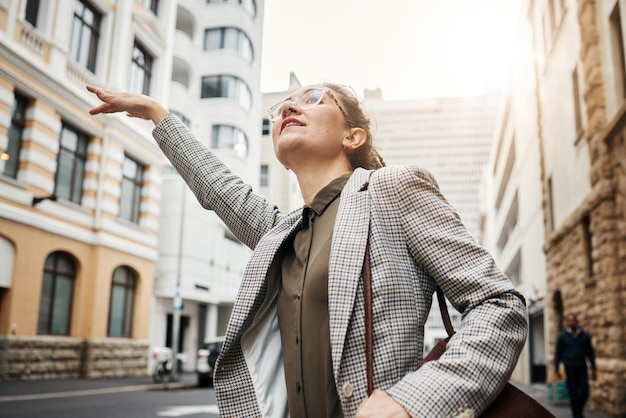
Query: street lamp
point(178, 301)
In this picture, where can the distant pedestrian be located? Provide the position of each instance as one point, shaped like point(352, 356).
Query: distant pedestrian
point(574, 349)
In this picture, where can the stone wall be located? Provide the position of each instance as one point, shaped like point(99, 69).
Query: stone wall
point(50, 357)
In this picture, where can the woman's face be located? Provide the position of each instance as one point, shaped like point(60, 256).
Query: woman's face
point(312, 135)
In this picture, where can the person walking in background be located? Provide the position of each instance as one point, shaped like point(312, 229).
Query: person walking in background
point(295, 343)
point(574, 349)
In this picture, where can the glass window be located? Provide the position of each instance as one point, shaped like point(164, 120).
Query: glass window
point(226, 86)
point(32, 11)
point(55, 306)
point(122, 300)
point(227, 137)
point(85, 35)
point(11, 155)
point(229, 38)
point(248, 5)
point(132, 182)
point(140, 70)
point(264, 175)
point(152, 5)
point(266, 126)
point(71, 162)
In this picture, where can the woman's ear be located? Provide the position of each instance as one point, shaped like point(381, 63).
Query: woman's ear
point(354, 138)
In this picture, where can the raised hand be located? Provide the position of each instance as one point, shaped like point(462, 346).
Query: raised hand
point(135, 105)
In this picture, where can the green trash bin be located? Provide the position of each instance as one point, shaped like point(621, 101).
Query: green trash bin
point(557, 393)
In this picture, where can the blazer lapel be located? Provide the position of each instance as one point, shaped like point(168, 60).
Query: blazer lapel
point(346, 258)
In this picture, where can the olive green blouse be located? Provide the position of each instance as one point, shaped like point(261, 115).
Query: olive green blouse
point(303, 310)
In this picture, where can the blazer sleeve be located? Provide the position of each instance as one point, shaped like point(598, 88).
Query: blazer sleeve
point(480, 357)
point(248, 215)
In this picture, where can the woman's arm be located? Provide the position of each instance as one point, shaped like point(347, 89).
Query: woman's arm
point(482, 354)
point(246, 214)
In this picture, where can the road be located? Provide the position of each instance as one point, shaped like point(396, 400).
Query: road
point(92, 400)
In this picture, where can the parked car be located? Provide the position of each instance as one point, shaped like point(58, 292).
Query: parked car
point(205, 362)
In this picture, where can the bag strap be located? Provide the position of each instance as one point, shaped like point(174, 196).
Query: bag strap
point(369, 336)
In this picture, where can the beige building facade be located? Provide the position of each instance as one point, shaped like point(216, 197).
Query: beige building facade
point(79, 195)
point(578, 80)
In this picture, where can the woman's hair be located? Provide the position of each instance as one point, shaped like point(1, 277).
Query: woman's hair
point(366, 156)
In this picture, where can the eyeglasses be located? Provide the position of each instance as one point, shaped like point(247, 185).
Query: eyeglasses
point(309, 99)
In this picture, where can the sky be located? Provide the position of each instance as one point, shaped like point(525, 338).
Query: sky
point(410, 49)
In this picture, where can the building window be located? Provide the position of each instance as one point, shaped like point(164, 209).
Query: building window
point(152, 5)
point(11, 155)
point(122, 301)
point(132, 182)
point(140, 70)
point(32, 12)
point(228, 38)
point(266, 126)
point(248, 5)
point(264, 182)
point(550, 205)
point(617, 49)
point(578, 112)
point(85, 35)
point(227, 137)
point(227, 86)
point(587, 243)
point(55, 306)
point(71, 162)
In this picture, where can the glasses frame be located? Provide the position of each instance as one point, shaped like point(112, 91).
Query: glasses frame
point(276, 109)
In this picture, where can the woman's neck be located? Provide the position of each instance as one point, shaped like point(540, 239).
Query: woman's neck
point(311, 182)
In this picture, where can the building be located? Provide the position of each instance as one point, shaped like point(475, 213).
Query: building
point(215, 90)
point(576, 123)
point(512, 226)
point(79, 195)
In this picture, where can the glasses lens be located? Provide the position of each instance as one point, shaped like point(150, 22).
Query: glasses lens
point(311, 98)
point(307, 100)
point(274, 111)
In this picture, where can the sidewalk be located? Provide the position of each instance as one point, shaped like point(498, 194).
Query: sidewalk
point(15, 390)
point(539, 392)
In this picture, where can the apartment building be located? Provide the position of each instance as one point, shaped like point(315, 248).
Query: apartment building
point(215, 90)
point(79, 195)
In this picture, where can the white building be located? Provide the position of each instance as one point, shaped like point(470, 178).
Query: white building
point(512, 227)
point(215, 90)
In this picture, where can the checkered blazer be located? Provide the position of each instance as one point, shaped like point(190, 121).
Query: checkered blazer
point(417, 243)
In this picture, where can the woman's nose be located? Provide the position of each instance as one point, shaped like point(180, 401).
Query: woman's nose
point(287, 108)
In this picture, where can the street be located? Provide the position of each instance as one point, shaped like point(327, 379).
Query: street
point(97, 400)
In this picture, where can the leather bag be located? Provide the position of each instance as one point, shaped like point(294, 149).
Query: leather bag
point(510, 403)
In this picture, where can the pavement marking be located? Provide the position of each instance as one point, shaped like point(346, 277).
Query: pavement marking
point(179, 411)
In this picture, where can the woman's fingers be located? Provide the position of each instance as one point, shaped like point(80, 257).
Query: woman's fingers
point(135, 105)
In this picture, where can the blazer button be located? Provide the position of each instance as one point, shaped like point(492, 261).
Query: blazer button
point(347, 389)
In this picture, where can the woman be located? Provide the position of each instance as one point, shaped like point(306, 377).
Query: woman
point(295, 341)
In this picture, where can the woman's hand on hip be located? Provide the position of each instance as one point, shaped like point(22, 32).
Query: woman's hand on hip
point(135, 105)
point(380, 405)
